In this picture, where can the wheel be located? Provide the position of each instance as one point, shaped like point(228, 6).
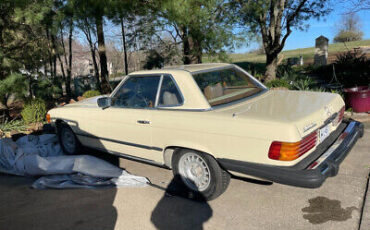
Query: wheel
point(68, 140)
point(200, 173)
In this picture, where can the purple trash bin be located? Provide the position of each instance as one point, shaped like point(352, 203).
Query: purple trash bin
point(358, 98)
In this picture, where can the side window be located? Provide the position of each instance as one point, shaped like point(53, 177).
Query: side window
point(137, 92)
point(169, 94)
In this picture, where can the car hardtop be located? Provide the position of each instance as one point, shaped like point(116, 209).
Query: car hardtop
point(183, 76)
point(192, 68)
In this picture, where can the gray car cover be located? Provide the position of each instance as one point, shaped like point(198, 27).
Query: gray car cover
point(42, 156)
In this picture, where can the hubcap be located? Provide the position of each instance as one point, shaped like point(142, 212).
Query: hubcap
point(194, 171)
point(69, 141)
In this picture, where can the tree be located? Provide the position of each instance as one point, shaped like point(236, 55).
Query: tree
point(14, 84)
point(88, 30)
point(126, 12)
point(95, 11)
point(201, 26)
point(60, 26)
point(86, 23)
point(275, 20)
point(349, 29)
point(358, 5)
point(23, 46)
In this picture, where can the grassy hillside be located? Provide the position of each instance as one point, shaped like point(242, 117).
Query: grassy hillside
point(307, 53)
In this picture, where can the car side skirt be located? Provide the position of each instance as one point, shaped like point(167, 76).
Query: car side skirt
point(121, 142)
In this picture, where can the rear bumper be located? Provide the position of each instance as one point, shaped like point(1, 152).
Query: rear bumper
point(312, 171)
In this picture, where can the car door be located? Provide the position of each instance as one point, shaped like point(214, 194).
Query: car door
point(165, 118)
point(125, 127)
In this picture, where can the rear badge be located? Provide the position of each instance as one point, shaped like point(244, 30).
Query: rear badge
point(328, 111)
point(308, 127)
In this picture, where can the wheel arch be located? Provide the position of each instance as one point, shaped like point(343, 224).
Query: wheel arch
point(58, 122)
point(169, 151)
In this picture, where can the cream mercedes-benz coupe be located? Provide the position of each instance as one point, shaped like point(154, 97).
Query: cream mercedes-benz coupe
point(208, 121)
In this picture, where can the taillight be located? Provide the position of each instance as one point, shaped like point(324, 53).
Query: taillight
point(288, 151)
point(339, 117)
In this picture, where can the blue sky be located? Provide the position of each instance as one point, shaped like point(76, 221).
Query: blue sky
point(327, 27)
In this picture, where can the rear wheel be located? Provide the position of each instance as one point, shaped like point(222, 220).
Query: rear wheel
point(68, 140)
point(200, 173)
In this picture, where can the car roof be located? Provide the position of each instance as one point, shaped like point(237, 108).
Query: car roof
point(198, 67)
point(193, 68)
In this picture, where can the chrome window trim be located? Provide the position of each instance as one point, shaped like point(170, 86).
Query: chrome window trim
point(212, 69)
point(240, 100)
point(187, 110)
point(156, 106)
point(119, 86)
point(178, 89)
point(250, 75)
point(264, 88)
point(128, 77)
point(158, 91)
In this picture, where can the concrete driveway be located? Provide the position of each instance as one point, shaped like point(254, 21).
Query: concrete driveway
point(338, 204)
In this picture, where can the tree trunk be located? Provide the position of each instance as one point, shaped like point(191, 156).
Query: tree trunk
point(197, 50)
point(93, 57)
point(61, 62)
point(50, 52)
point(96, 69)
point(54, 53)
point(69, 65)
point(271, 67)
point(54, 66)
point(192, 51)
point(186, 52)
point(2, 72)
point(61, 67)
point(4, 101)
point(105, 87)
point(124, 46)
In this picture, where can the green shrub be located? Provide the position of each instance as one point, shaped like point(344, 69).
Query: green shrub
point(47, 89)
point(91, 93)
point(306, 84)
point(350, 69)
point(17, 125)
point(278, 83)
point(34, 111)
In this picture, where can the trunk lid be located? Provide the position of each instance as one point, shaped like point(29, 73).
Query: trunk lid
point(307, 111)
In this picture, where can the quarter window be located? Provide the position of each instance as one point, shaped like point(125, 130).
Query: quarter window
point(137, 92)
point(169, 94)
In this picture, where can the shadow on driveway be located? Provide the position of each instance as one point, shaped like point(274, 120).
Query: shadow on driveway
point(22, 207)
point(178, 210)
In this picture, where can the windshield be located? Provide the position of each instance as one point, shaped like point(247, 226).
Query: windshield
point(226, 85)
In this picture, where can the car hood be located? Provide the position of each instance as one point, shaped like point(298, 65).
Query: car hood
point(305, 110)
point(88, 102)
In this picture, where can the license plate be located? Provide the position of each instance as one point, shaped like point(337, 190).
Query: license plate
point(324, 133)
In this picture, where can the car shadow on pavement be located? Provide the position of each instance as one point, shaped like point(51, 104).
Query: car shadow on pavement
point(251, 180)
point(180, 209)
point(22, 207)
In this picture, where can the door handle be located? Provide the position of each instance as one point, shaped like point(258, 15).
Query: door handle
point(143, 122)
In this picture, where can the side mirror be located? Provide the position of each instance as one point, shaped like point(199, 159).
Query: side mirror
point(104, 102)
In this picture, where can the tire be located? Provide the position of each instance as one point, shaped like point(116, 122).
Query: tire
point(200, 173)
point(68, 140)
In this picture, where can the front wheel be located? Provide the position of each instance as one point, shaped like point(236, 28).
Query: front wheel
point(68, 140)
point(200, 173)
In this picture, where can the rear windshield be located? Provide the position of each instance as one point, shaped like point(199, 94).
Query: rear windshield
point(226, 85)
